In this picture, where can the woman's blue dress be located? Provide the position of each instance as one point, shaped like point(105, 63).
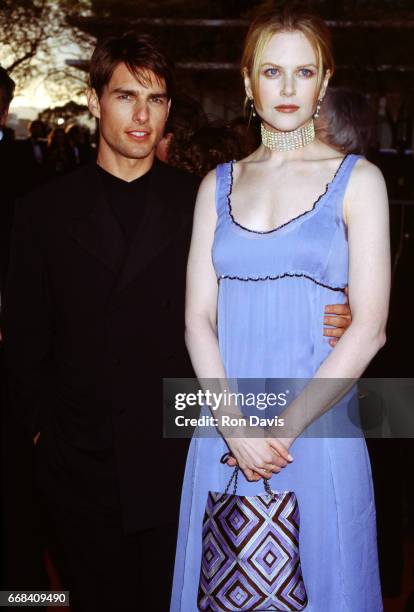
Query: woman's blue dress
point(273, 287)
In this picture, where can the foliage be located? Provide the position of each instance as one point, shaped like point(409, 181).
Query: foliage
point(70, 112)
point(34, 31)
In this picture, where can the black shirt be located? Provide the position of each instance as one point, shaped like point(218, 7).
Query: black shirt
point(126, 199)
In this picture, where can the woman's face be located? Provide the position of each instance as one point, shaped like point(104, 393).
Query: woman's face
point(288, 82)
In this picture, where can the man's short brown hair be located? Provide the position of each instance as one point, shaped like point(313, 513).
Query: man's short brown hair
point(139, 52)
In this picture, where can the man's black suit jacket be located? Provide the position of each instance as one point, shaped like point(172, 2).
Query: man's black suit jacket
point(92, 327)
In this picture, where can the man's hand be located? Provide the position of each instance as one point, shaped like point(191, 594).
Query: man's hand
point(341, 320)
point(36, 438)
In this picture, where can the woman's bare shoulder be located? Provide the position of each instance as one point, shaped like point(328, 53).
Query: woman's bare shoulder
point(207, 185)
point(205, 204)
point(366, 173)
point(367, 185)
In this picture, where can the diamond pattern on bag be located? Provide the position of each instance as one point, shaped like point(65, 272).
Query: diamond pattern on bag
point(250, 558)
point(270, 558)
point(237, 592)
point(214, 556)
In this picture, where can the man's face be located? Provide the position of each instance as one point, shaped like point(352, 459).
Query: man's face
point(131, 116)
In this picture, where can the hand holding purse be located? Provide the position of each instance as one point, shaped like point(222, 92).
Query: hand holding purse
point(250, 555)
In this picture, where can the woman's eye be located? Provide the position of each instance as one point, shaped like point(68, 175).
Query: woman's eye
point(271, 72)
point(305, 72)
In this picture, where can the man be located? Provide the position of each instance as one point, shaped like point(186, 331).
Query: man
point(94, 320)
point(21, 545)
point(7, 86)
point(32, 153)
point(7, 172)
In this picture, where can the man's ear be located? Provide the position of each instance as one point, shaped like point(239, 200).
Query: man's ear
point(247, 83)
point(3, 117)
point(168, 138)
point(93, 103)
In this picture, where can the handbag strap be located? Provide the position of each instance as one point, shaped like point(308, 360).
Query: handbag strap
point(234, 479)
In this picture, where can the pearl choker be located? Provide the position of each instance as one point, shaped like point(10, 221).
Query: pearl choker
point(288, 141)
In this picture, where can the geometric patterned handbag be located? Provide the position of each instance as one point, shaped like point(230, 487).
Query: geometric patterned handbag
point(250, 555)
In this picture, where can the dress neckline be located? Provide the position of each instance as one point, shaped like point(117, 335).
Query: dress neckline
point(319, 199)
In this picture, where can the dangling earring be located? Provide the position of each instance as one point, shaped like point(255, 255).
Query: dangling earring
point(252, 108)
point(318, 109)
point(252, 111)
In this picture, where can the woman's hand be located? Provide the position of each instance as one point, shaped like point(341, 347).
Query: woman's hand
point(258, 457)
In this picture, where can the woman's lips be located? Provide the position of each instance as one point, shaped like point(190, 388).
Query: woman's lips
point(287, 108)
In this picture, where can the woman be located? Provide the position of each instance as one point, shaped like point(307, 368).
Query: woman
point(292, 224)
point(347, 121)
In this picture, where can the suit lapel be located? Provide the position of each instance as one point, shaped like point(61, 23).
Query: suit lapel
point(159, 225)
point(97, 230)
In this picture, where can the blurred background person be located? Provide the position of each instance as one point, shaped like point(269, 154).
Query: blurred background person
point(32, 153)
point(394, 143)
point(395, 125)
point(79, 142)
point(185, 118)
point(22, 549)
point(346, 121)
point(194, 143)
point(7, 173)
point(60, 155)
point(7, 87)
point(37, 141)
point(209, 146)
point(7, 134)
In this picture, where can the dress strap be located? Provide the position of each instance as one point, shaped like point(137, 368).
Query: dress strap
point(342, 179)
point(223, 183)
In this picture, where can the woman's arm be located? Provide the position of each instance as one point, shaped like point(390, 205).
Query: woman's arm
point(367, 217)
point(366, 213)
point(201, 331)
point(202, 288)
